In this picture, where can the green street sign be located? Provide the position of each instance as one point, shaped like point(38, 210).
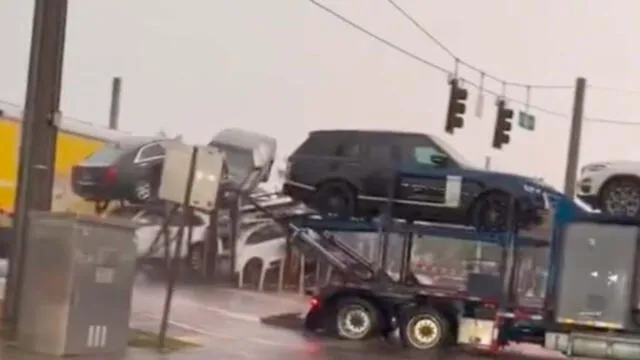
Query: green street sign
point(526, 121)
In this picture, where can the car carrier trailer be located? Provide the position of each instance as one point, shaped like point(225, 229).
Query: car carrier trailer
point(590, 306)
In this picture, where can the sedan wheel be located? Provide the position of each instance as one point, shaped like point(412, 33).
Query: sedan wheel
point(142, 191)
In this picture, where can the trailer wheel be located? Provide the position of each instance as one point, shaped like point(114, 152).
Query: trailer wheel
point(424, 328)
point(356, 319)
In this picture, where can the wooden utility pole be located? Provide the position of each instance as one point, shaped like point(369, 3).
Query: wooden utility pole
point(38, 142)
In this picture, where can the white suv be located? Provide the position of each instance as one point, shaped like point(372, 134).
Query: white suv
point(612, 187)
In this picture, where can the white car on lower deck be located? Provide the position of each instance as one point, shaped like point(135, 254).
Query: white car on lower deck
point(612, 187)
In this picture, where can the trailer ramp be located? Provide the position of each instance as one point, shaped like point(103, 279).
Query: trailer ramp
point(341, 257)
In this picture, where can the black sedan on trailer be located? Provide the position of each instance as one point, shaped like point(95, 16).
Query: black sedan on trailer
point(129, 170)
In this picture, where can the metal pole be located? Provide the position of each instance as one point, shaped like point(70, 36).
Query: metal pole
point(39, 135)
point(211, 244)
point(487, 166)
point(573, 154)
point(234, 223)
point(114, 112)
point(175, 262)
point(509, 254)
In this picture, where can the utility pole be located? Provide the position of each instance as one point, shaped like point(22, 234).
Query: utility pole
point(38, 142)
point(114, 112)
point(575, 133)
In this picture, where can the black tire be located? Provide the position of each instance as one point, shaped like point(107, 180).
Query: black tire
point(335, 198)
point(251, 271)
point(490, 212)
point(621, 197)
point(424, 328)
point(355, 319)
point(101, 206)
point(195, 257)
point(142, 192)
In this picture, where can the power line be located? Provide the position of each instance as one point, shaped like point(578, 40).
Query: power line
point(615, 90)
point(457, 59)
point(379, 38)
point(479, 87)
point(427, 62)
point(612, 121)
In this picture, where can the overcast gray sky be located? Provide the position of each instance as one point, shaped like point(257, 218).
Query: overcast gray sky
point(284, 67)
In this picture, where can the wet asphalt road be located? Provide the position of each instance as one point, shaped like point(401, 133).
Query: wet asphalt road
point(226, 322)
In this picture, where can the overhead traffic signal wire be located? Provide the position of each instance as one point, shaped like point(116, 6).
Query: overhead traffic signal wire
point(458, 60)
point(379, 38)
point(442, 69)
point(425, 61)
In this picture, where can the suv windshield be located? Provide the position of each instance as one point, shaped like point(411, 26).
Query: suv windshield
point(453, 153)
point(105, 156)
point(239, 162)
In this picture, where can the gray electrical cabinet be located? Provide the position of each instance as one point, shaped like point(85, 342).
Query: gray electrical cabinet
point(77, 285)
point(596, 280)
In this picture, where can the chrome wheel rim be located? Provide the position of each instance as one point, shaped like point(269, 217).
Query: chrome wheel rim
point(354, 322)
point(623, 200)
point(143, 191)
point(424, 332)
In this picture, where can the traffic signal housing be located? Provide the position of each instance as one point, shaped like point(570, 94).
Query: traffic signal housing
point(503, 125)
point(457, 107)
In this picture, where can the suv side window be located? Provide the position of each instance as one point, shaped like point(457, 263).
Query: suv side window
point(422, 155)
point(266, 233)
point(384, 152)
point(418, 151)
point(348, 150)
point(315, 145)
point(149, 152)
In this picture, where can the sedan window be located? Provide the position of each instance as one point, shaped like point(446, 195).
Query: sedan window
point(266, 233)
point(150, 152)
point(106, 156)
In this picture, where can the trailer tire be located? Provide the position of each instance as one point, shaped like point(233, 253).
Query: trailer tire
point(424, 328)
point(355, 319)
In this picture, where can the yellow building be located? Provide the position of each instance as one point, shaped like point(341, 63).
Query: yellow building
point(76, 141)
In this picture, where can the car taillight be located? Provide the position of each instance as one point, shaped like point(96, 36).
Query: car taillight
point(111, 176)
point(314, 302)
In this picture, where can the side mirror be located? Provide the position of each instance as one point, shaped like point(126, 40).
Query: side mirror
point(439, 159)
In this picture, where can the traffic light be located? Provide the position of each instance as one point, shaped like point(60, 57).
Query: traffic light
point(457, 107)
point(503, 125)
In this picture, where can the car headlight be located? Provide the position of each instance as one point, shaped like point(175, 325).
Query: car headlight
point(593, 168)
point(532, 189)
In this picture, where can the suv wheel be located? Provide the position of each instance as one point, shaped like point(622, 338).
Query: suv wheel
point(621, 197)
point(336, 199)
point(491, 212)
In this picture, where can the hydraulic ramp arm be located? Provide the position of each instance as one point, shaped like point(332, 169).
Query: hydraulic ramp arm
point(319, 245)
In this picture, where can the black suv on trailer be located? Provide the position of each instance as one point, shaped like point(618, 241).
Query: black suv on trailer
point(350, 173)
